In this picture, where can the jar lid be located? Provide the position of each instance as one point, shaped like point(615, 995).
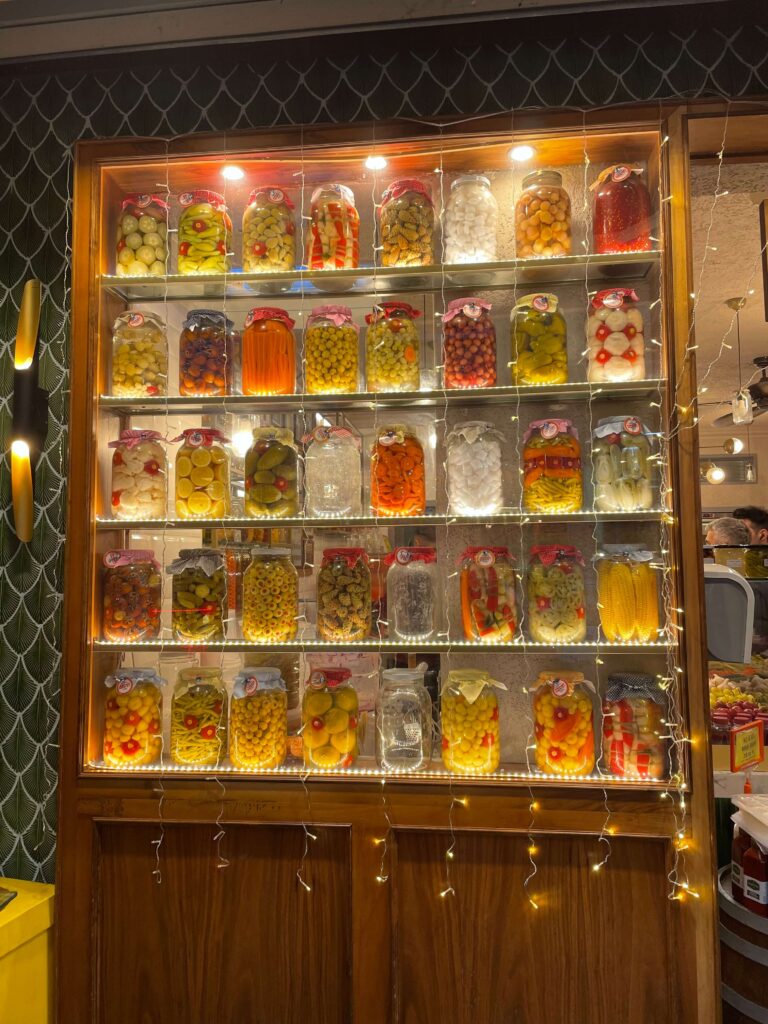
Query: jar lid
point(133, 318)
point(632, 552)
point(271, 552)
point(545, 176)
point(617, 173)
point(322, 434)
point(470, 682)
point(143, 200)
point(200, 674)
point(404, 555)
point(274, 194)
point(338, 315)
point(471, 307)
point(207, 560)
point(330, 677)
point(401, 676)
point(547, 554)
point(551, 428)
point(472, 430)
point(269, 313)
point(485, 557)
point(623, 685)
point(125, 679)
point(620, 425)
point(348, 555)
point(203, 195)
point(122, 556)
point(342, 191)
point(200, 437)
point(614, 298)
point(132, 438)
point(200, 317)
point(272, 433)
point(388, 310)
point(401, 186)
point(257, 680)
point(562, 684)
point(465, 179)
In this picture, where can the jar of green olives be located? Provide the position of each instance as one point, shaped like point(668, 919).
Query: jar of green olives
point(199, 595)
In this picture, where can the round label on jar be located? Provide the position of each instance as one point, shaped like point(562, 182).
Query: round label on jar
point(485, 558)
point(540, 303)
point(112, 558)
point(632, 426)
point(613, 300)
point(186, 198)
point(275, 195)
point(195, 438)
point(403, 556)
point(135, 320)
point(124, 685)
point(549, 430)
point(251, 686)
point(321, 434)
point(389, 438)
point(472, 310)
point(621, 173)
point(560, 687)
point(141, 201)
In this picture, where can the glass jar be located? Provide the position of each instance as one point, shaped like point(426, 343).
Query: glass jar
point(397, 473)
point(139, 476)
point(330, 351)
point(469, 717)
point(539, 344)
point(552, 467)
point(142, 236)
point(622, 465)
point(627, 594)
point(206, 347)
point(329, 719)
point(130, 597)
point(258, 719)
point(615, 337)
point(202, 474)
point(564, 732)
point(622, 216)
point(199, 601)
point(268, 353)
point(633, 727)
point(205, 233)
point(270, 597)
point(333, 241)
point(406, 224)
point(470, 222)
point(403, 720)
point(392, 348)
point(543, 216)
point(272, 474)
point(133, 717)
point(556, 600)
point(269, 231)
point(413, 594)
point(333, 475)
point(474, 469)
point(488, 584)
point(139, 356)
point(469, 345)
point(199, 717)
point(344, 596)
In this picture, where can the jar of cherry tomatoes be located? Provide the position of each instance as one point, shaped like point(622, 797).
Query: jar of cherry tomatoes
point(552, 467)
point(333, 242)
point(469, 345)
point(206, 347)
point(392, 348)
point(397, 473)
point(564, 733)
point(205, 233)
point(488, 595)
point(543, 216)
point(142, 236)
point(133, 717)
point(269, 231)
point(622, 217)
point(130, 596)
point(268, 353)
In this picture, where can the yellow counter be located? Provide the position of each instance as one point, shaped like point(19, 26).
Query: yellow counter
point(26, 954)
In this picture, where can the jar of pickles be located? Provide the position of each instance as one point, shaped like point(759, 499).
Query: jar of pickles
point(133, 717)
point(202, 474)
point(615, 337)
point(258, 722)
point(552, 467)
point(205, 233)
point(272, 474)
point(329, 719)
point(622, 216)
point(269, 231)
point(139, 356)
point(333, 475)
point(470, 222)
point(564, 732)
point(403, 720)
point(330, 351)
point(406, 224)
point(633, 727)
point(333, 242)
point(142, 236)
point(344, 596)
point(469, 345)
point(474, 469)
point(392, 348)
point(488, 595)
point(268, 353)
point(413, 594)
point(130, 596)
point(139, 475)
point(556, 609)
point(206, 347)
point(199, 717)
point(469, 717)
point(543, 216)
point(622, 465)
point(539, 345)
point(270, 597)
point(627, 594)
point(199, 602)
point(397, 473)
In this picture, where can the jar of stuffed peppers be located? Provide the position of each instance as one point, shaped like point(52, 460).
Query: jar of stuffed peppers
point(142, 236)
point(392, 348)
point(332, 473)
point(272, 474)
point(330, 351)
point(622, 217)
point(344, 596)
point(615, 337)
point(133, 717)
point(470, 222)
point(205, 233)
point(397, 473)
point(139, 356)
point(139, 475)
point(333, 241)
point(539, 344)
point(552, 467)
point(622, 465)
point(406, 224)
point(469, 719)
point(488, 584)
point(329, 713)
point(564, 731)
point(202, 474)
point(627, 594)
point(469, 345)
point(634, 743)
point(130, 596)
point(270, 597)
point(199, 717)
point(543, 216)
point(556, 609)
point(474, 469)
point(258, 722)
point(269, 231)
point(403, 720)
point(199, 602)
point(206, 346)
point(413, 593)
point(268, 353)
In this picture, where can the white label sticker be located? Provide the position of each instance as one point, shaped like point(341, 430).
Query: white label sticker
point(403, 556)
point(549, 430)
point(621, 173)
point(124, 685)
point(755, 890)
point(560, 687)
point(540, 302)
point(472, 310)
point(485, 558)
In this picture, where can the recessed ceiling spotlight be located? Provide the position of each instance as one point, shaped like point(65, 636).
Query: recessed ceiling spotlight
point(521, 153)
point(375, 163)
point(232, 173)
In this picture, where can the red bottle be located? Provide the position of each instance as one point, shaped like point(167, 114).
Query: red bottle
point(741, 843)
point(755, 880)
point(622, 218)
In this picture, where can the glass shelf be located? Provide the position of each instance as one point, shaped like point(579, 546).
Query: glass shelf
point(373, 644)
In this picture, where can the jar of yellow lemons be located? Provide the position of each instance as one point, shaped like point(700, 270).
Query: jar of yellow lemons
point(329, 719)
point(202, 475)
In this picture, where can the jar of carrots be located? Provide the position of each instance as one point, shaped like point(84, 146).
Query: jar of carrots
point(397, 473)
point(268, 353)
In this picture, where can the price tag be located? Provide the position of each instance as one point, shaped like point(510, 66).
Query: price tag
point(746, 746)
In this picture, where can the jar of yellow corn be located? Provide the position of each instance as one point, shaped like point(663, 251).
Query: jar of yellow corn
point(202, 475)
point(270, 597)
point(330, 351)
point(258, 724)
point(627, 594)
point(469, 716)
point(133, 717)
point(199, 717)
point(329, 719)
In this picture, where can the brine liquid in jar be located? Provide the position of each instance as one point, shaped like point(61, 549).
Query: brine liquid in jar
point(131, 587)
point(133, 717)
point(403, 721)
point(470, 222)
point(474, 469)
point(332, 473)
point(206, 347)
point(406, 224)
point(270, 597)
point(469, 718)
point(392, 348)
point(258, 725)
point(268, 353)
point(344, 595)
point(199, 717)
point(615, 337)
point(539, 342)
point(202, 474)
point(139, 475)
point(634, 727)
point(330, 351)
point(564, 732)
point(142, 236)
point(139, 356)
point(413, 594)
point(199, 595)
point(556, 597)
point(329, 717)
point(272, 474)
point(488, 584)
point(622, 216)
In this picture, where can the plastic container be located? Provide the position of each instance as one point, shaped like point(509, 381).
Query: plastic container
point(539, 341)
point(469, 717)
point(333, 474)
point(130, 596)
point(206, 347)
point(488, 584)
point(258, 719)
point(633, 727)
point(139, 476)
point(269, 231)
point(398, 487)
point(344, 596)
point(543, 216)
point(272, 474)
point(199, 717)
point(202, 474)
point(403, 720)
point(564, 731)
point(199, 601)
point(621, 465)
point(270, 597)
point(142, 236)
point(330, 351)
point(333, 241)
point(552, 479)
point(205, 233)
point(133, 718)
point(474, 469)
point(556, 612)
point(470, 222)
point(392, 348)
point(139, 356)
point(413, 594)
point(329, 713)
point(469, 345)
point(627, 594)
point(615, 337)
point(406, 224)
point(268, 353)
point(622, 217)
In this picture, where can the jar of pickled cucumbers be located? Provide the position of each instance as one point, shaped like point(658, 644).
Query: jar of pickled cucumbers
point(392, 348)
point(474, 469)
point(622, 216)
point(470, 222)
point(403, 720)
point(406, 224)
point(133, 717)
point(488, 584)
point(272, 474)
point(130, 596)
point(627, 594)
point(205, 233)
point(469, 344)
point(564, 732)
point(539, 346)
point(330, 351)
point(469, 721)
point(202, 474)
point(398, 486)
point(269, 231)
point(258, 722)
point(543, 216)
point(329, 713)
point(333, 473)
point(622, 465)
point(199, 717)
point(556, 609)
point(413, 594)
point(139, 475)
point(333, 241)
point(615, 337)
point(270, 597)
point(634, 729)
point(142, 236)
point(344, 596)
point(268, 353)
point(552, 467)
point(139, 356)
point(206, 346)
point(199, 602)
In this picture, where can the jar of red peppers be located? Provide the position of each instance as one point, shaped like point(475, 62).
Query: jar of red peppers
point(333, 242)
point(205, 233)
point(633, 727)
point(622, 217)
point(397, 473)
point(268, 353)
point(142, 236)
point(269, 232)
point(206, 348)
point(130, 596)
point(469, 345)
point(488, 595)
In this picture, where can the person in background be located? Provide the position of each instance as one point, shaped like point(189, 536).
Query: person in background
point(756, 521)
point(727, 531)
